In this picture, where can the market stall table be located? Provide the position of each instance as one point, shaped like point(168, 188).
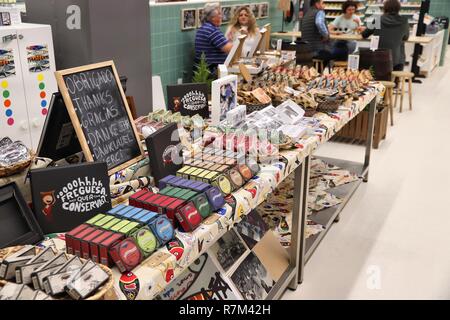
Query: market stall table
point(161, 268)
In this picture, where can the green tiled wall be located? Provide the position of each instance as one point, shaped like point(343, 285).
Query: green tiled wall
point(440, 8)
point(173, 49)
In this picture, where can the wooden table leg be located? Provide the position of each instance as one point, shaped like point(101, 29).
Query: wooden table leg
point(410, 92)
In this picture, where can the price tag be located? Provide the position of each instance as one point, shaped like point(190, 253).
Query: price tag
point(353, 61)
point(279, 44)
point(374, 43)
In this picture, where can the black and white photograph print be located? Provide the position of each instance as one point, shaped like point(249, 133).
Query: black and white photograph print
point(188, 19)
point(263, 10)
point(254, 7)
point(200, 17)
point(226, 14)
point(252, 279)
point(228, 249)
point(252, 228)
point(224, 98)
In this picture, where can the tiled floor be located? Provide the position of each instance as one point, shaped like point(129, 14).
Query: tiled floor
point(392, 240)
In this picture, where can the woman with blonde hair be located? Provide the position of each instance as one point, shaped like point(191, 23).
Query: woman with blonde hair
point(243, 23)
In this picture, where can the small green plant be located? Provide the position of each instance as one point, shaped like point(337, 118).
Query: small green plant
point(372, 71)
point(202, 75)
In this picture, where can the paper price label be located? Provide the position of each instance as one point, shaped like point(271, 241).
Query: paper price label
point(353, 62)
point(374, 43)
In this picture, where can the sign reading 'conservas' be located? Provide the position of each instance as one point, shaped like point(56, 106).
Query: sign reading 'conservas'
point(100, 115)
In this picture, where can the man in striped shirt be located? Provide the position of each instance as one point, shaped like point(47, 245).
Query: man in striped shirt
point(210, 39)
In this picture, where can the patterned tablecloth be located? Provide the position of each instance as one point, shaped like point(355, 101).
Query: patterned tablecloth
point(155, 273)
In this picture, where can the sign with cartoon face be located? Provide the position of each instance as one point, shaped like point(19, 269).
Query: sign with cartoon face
point(65, 197)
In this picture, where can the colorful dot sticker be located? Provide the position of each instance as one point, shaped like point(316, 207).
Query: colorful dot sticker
point(43, 95)
point(43, 103)
point(44, 112)
point(40, 77)
point(7, 102)
point(42, 86)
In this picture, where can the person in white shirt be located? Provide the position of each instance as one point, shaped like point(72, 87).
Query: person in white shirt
point(243, 22)
point(348, 22)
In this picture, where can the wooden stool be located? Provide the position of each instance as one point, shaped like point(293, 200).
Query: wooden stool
point(340, 64)
point(318, 65)
point(388, 97)
point(402, 77)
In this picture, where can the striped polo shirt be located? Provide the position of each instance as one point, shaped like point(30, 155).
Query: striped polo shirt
point(210, 39)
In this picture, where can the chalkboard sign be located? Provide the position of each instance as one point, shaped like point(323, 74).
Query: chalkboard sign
point(59, 139)
point(100, 115)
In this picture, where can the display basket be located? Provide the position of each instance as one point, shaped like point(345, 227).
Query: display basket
point(101, 294)
point(17, 167)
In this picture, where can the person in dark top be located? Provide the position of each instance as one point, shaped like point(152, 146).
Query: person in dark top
point(393, 30)
point(315, 32)
point(210, 40)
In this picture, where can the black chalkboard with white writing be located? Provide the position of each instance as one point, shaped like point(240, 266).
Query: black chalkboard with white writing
point(100, 114)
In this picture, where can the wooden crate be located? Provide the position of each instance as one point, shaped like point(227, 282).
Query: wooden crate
point(356, 130)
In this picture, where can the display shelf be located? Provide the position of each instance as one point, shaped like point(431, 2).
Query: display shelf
point(328, 216)
point(408, 9)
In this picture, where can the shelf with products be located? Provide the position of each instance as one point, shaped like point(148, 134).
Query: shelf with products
point(408, 9)
point(333, 9)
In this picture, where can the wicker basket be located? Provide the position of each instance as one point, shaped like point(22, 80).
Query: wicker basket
point(105, 292)
point(17, 167)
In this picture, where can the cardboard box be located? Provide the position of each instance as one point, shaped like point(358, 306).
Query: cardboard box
point(70, 235)
point(130, 214)
point(95, 219)
point(141, 201)
point(147, 218)
point(188, 217)
point(76, 242)
point(129, 228)
point(111, 224)
point(202, 205)
point(164, 182)
point(211, 177)
point(175, 191)
point(105, 247)
point(95, 243)
point(172, 208)
point(181, 193)
point(103, 221)
point(199, 187)
point(86, 243)
point(215, 198)
point(165, 190)
point(188, 195)
point(149, 203)
point(116, 209)
point(133, 198)
point(158, 204)
point(139, 215)
point(120, 225)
